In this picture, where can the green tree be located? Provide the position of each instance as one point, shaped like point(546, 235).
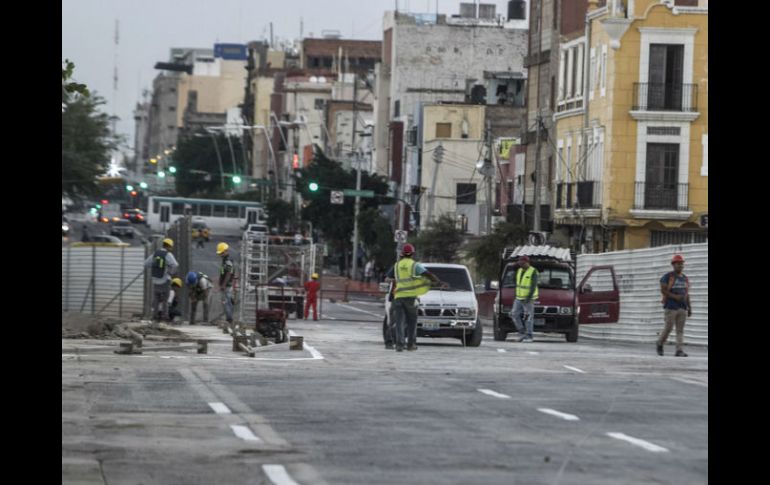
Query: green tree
point(440, 241)
point(279, 213)
point(86, 142)
point(377, 237)
point(488, 250)
point(334, 221)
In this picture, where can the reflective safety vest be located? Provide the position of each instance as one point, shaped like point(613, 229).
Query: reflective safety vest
point(408, 284)
point(524, 283)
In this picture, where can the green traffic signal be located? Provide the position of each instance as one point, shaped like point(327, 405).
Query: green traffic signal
point(161, 174)
point(172, 169)
point(143, 185)
point(236, 179)
point(313, 186)
point(129, 188)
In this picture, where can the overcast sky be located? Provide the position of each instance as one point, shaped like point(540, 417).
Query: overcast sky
point(150, 28)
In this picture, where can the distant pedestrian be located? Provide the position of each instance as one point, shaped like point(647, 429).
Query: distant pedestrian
point(368, 271)
point(675, 290)
point(199, 287)
point(312, 288)
point(526, 294)
point(200, 240)
point(226, 277)
point(163, 265)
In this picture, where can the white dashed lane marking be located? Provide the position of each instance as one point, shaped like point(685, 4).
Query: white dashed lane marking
point(278, 475)
point(559, 414)
point(492, 393)
point(219, 408)
point(638, 442)
point(244, 433)
point(574, 369)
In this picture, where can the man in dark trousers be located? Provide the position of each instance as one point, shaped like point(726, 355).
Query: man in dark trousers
point(675, 289)
point(226, 276)
point(526, 294)
point(412, 280)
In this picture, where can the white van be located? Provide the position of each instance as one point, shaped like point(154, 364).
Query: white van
point(446, 313)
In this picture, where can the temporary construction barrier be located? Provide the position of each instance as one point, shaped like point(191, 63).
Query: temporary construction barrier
point(639, 272)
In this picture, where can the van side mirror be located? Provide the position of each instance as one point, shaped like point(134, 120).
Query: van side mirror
point(494, 284)
point(479, 288)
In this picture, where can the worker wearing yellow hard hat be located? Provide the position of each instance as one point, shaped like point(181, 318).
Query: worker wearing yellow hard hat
point(226, 277)
point(163, 266)
point(312, 288)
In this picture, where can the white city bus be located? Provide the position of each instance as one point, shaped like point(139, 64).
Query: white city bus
point(223, 217)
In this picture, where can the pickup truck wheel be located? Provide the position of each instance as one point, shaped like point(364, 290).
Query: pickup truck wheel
point(572, 335)
point(498, 334)
point(475, 337)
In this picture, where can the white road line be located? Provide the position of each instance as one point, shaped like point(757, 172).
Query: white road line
point(636, 441)
point(316, 354)
point(501, 350)
point(493, 393)
point(327, 316)
point(278, 475)
point(575, 369)
point(531, 352)
point(559, 414)
point(219, 408)
point(244, 433)
point(362, 311)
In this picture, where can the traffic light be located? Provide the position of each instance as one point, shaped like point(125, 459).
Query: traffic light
point(172, 169)
point(133, 193)
point(313, 186)
point(143, 185)
point(161, 174)
point(105, 201)
point(295, 162)
point(236, 179)
point(129, 188)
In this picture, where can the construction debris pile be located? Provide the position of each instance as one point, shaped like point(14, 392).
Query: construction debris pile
point(84, 326)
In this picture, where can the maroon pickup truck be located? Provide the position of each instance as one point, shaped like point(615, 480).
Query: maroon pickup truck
point(561, 306)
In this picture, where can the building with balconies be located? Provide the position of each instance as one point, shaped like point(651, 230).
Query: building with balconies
point(631, 127)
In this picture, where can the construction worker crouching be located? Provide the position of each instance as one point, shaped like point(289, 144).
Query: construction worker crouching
point(311, 295)
point(226, 276)
point(173, 299)
point(163, 266)
point(199, 287)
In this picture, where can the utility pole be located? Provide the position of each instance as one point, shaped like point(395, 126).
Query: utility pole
point(354, 264)
point(488, 176)
point(438, 157)
point(536, 225)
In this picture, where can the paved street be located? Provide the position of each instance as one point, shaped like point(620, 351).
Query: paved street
point(345, 410)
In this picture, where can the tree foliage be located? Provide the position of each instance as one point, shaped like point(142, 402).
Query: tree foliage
point(86, 140)
point(279, 213)
point(334, 221)
point(487, 250)
point(377, 237)
point(440, 241)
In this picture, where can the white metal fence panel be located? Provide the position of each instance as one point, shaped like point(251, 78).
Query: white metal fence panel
point(641, 313)
point(104, 280)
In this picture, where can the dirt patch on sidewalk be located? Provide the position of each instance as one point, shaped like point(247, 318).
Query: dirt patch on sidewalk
point(84, 326)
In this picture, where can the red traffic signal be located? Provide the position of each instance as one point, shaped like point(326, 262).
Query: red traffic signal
point(105, 201)
point(295, 162)
point(133, 193)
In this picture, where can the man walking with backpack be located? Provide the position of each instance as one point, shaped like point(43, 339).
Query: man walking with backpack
point(675, 288)
point(163, 265)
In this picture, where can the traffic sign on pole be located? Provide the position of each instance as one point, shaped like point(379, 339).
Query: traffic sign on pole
point(400, 237)
point(337, 197)
point(359, 193)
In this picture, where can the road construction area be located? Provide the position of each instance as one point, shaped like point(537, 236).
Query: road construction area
point(341, 409)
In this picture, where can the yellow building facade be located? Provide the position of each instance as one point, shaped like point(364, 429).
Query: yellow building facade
point(633, 173)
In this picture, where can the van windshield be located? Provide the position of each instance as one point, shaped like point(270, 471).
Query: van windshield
point(456, 277)
point(552, 277)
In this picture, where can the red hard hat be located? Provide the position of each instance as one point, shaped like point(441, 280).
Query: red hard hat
point(407, 249)
point(677, 259)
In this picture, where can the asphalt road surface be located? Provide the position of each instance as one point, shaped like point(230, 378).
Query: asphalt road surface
point(344, 410)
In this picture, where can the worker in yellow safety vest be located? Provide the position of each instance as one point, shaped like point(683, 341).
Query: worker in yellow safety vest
point(526, 294)
point(412, 280)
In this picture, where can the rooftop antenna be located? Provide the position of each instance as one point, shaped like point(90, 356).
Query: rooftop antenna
point(115, 78)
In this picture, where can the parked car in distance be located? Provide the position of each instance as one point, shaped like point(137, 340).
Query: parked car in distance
point(102, 240)
point(122, 228)
point(253, 230)
point(135, 215)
